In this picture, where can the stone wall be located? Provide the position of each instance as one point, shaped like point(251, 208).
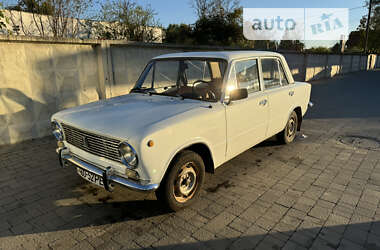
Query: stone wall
point(39, 77)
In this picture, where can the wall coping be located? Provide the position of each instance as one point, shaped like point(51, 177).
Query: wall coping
point(98, 42)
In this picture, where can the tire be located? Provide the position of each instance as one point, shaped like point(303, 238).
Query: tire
point(182, 183)
point(287, 135)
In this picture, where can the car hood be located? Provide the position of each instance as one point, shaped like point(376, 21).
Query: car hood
point(124, 116)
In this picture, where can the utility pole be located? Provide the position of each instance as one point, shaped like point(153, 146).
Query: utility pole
point(367, 29)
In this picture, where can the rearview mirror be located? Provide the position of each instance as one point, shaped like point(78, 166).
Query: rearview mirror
point(238, 94)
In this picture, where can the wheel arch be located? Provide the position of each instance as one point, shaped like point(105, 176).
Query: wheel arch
point(206, 155)
point(298, 111)
point(200, 148)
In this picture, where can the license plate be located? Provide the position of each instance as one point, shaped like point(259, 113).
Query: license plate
point(91, 177)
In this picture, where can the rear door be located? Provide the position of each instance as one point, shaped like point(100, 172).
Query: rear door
point(280, 93)
point(247, 119)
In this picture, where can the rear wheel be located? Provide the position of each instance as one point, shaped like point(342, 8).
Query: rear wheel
point(182, 184)
point(289, 133)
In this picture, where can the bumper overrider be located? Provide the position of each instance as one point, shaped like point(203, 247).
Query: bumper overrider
point(107, 175)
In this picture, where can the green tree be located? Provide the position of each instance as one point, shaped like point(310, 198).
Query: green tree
point(125, 19)
point(319, 50)
point(293, 45)
point(264, 45)
point(42, 7)
point(219, 23)
point(336, 49)
point(179, 34)
point(356, 40)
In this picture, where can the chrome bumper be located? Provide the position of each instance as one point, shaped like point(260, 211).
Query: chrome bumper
point(108, 178)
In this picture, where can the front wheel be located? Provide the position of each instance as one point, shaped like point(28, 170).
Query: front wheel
point(287, 135)
point(182, 184)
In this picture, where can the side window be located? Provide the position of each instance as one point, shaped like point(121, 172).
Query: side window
point(247, 75)
point(271, 73)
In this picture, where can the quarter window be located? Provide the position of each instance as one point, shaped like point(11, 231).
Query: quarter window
point(246, 75)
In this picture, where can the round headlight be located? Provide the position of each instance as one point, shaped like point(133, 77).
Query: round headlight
point(128, 155)
point(57, 131)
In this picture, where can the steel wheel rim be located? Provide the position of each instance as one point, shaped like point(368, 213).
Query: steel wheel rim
point(291, 128)
point(185, 183)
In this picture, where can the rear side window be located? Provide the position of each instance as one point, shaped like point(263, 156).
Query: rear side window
point(247, 76)
point(271, 73)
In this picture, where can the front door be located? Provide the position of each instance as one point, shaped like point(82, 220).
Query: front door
point(247, 119)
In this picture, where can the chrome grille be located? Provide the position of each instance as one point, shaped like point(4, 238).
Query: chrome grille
point(92, 143)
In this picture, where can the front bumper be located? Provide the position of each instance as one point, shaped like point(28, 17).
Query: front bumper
point(108, 177)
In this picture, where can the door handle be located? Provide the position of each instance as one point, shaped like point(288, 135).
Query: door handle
point(291, 93)
point(263, 102)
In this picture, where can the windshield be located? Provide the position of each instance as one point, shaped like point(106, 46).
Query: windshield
point(193, 78)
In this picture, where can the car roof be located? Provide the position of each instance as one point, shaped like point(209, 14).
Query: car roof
point(227, 55)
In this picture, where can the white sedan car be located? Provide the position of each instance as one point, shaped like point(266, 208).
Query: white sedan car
point(188, 113)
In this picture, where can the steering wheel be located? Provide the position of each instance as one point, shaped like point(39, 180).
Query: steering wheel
point(208, 91)
point(197, 82)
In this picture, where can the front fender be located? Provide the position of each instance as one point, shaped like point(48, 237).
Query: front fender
point(207, 126)
point(187, 145)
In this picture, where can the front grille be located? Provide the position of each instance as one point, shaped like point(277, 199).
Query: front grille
point(92, 143)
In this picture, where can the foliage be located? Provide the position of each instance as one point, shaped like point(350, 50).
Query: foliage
point(3, 20)
point(219, 23)
point(319, 50)
point(293, 45)
point(356, 40)
point(125, 19)
point(34, 6)
point(219, 29)
point(207, 8)
point(336, 49)
point(264, 45)
point(179, 34)
point(65, 20)
point(58, 18)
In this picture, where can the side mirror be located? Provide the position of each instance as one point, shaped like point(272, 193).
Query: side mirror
point(238, 94)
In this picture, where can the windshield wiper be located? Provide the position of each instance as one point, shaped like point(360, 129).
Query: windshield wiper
point(140, 90)
point(181, 96)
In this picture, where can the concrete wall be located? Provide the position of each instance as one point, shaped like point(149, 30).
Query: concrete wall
point(296, 62)
point(333, 65)
point(346, 64)
point(39, 77)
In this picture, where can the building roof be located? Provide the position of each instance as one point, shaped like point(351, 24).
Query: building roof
point(227, 55)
